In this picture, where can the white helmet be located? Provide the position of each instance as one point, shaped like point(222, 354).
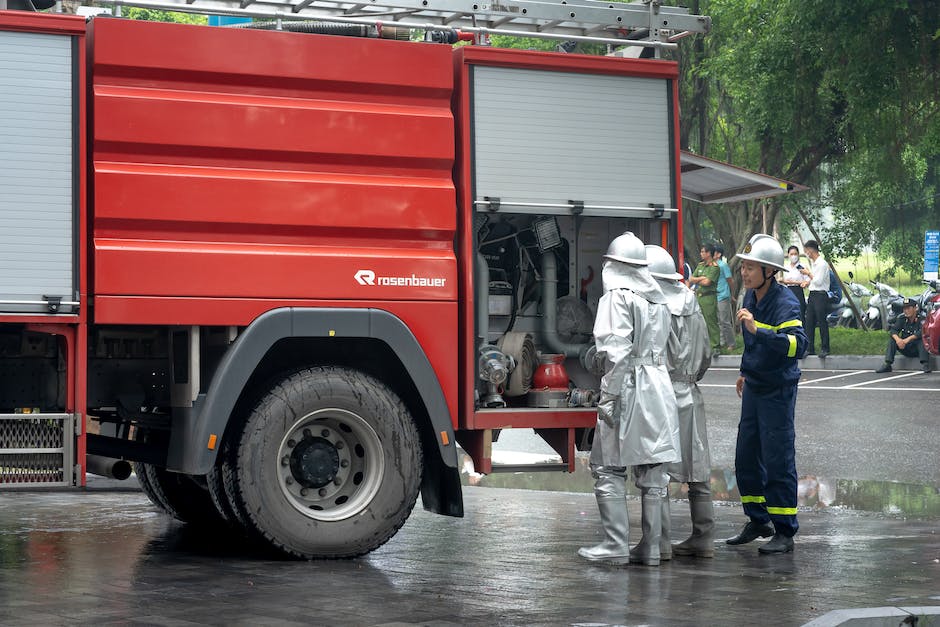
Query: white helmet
point(661, 264)
point(765, 250)
point(627, 248)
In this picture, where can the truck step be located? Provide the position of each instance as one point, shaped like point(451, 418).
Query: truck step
point(541, 467)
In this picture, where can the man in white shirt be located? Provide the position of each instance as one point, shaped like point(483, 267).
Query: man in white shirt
point(817, 306)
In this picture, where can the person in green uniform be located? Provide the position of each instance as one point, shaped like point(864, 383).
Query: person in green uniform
point(705, 283)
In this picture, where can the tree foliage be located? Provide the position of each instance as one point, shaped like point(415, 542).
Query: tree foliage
point(154, 15)
point(840, 95)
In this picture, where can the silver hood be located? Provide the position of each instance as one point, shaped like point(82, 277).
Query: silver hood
point(617, 275)
point(679, 298)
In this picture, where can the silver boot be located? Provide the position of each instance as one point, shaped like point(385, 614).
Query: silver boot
point(665, 547)
point(616, 524)
point(702, 541)
point(647, 551)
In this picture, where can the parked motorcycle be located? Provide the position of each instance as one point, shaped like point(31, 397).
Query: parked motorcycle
point(841, 315)
point(884, 307)
point(929, 303)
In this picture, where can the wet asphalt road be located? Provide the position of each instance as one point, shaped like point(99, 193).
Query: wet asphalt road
point(850, 424)
point(108, 557)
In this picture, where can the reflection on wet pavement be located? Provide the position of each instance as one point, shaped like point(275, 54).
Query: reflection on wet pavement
point(108, 558)
point(815, 492)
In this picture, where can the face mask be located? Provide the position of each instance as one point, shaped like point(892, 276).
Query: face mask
point(794, 258)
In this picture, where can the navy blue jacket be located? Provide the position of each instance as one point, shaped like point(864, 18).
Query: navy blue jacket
point(770, 356)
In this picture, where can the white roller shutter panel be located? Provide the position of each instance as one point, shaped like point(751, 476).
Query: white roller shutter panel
point(36, 170)
point(544, 137)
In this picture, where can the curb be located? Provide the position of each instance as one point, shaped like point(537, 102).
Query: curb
point(879, 617)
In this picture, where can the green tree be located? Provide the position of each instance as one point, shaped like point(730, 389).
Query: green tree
point(154, 15)
point(840, 95)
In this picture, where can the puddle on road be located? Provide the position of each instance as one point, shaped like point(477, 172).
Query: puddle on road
point(887, 497)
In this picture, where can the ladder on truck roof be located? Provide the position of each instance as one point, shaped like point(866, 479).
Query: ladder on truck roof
point(646, 23)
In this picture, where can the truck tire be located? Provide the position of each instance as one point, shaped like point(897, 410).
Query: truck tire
point(222, 485)
point(181, 496)
point(216, 488)
point(328, 465)
point(141, 472)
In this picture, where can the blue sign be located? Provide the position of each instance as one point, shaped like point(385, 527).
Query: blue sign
point(931, 255)
point(227, 20)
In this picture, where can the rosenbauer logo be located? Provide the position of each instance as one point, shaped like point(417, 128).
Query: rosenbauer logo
point(368, 277)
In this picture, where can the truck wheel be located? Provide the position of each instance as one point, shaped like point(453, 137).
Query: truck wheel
point(181, 496)
point(329, 464)
point(224, 474)
point(141, 472)
point(216, 488)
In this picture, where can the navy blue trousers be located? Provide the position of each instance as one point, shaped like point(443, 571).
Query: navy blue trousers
point(765, 457)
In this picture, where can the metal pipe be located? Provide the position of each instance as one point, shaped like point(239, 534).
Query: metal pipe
point(109, 467)
point(550, 313)
point(287, 15)
point(481, 295)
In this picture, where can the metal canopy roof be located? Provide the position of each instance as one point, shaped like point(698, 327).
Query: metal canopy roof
point(710, 181)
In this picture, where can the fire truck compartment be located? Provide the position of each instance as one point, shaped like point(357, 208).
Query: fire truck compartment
point(38, 173)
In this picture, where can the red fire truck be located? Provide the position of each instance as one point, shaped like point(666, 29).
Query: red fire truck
point(284, 274)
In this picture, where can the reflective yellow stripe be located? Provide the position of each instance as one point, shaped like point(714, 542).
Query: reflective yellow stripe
point(782, 325)
point(791, 352)
point(753, 499)
point(783, 511)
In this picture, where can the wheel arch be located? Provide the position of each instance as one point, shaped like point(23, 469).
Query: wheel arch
point(286, 339)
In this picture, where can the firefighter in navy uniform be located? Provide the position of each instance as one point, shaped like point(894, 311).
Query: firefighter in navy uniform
point(774, 340)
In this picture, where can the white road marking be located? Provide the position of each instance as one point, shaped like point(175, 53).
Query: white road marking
point(883, 379)
point(856, 387)
point(835, 376)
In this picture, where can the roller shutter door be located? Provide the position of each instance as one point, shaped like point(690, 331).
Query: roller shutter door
point(545, 138)
point(37, 199)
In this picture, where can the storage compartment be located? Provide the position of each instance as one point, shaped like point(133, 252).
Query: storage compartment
point(555, 142)
point(38, 201)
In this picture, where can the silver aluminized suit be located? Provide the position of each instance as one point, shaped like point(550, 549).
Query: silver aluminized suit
point(687, 359)
point(637, 423)
point(631, 332)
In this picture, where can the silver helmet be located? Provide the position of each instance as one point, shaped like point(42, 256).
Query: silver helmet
point(765, 250)
point(627, 248)
point(661, 264)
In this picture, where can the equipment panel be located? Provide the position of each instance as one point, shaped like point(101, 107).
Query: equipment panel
point(38, 171)
point(544, 138)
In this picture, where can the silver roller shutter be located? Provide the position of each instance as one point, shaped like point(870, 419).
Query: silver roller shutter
point(543, 138)
point(36, 171)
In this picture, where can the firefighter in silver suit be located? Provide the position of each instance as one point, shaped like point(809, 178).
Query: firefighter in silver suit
point(687, 358)
point(637, 424)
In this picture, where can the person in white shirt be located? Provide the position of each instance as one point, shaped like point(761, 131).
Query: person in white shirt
point(818, 304)
point(794, 279)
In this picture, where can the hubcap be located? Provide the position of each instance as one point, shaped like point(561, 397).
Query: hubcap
point(314, 462)
point(330, 464)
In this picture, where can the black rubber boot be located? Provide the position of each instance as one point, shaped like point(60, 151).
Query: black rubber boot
point(778, 544)
point(752, 531)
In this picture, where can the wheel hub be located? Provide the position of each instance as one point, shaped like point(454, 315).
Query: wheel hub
point(330, 464)
point(314, 462)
